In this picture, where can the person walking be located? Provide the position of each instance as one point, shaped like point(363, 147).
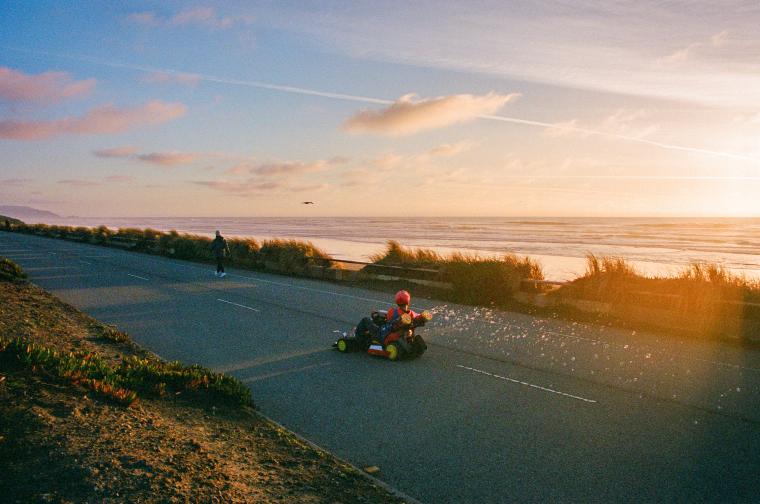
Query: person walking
point(219, 248)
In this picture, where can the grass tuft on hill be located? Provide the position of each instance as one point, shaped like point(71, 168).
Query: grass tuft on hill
point(10, 271)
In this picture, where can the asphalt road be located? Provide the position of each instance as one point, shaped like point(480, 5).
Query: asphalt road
point(502, 408)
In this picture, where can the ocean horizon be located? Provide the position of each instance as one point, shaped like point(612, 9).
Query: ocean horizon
point(654, 245)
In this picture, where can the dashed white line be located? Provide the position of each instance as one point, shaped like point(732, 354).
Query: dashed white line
point(236, 304)
point(85, 262)
point(492, 375)
point(141, 278)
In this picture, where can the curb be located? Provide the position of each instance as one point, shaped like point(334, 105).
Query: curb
point(394, 491)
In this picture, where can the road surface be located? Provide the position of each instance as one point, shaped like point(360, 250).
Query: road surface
point(503, 407)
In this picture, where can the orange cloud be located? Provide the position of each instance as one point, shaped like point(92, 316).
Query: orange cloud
point(406, 117)
point(102, 120)
point(48, 87)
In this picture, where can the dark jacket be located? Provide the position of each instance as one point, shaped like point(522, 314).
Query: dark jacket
point(219, 247)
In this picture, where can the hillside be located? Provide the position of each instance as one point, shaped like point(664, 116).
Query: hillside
point(64, 440)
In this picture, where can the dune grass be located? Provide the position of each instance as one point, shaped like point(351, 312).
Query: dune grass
point(475, 279)
point(289, 256)
point(703, 298)
point(292, 256)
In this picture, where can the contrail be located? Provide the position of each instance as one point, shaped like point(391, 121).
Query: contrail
point(379, 101)
point(620, 137)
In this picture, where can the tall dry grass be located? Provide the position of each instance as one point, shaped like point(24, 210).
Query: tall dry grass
point(290, 256)
point(475, 280)
point(702, 297)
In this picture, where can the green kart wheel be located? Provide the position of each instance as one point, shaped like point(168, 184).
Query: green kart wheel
point(342, 345)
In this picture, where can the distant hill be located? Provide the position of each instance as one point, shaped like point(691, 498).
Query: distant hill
point(26, 213)
point(12, 220)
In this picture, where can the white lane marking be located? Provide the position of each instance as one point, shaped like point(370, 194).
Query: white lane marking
point(5, 251)
point(527, 384)
point(141, 278)
point(85, 262)
point(287, 371)
point(235, 304)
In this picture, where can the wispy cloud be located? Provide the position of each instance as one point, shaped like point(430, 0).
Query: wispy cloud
point(196, 16)
point(284, 168)
point(365, 99)
point(119, 178)
point(289, 168)
point(48, 87)
point(169, 158)
point(281, 176)
point(101, 120)
point(15, 181)
point(406, 116)
point(79, 182)
point(450, 150)
point(186, 79)
point(623, 123)
point(695, 49)
point(143, 18)
point(116, 152)
point(240, 188)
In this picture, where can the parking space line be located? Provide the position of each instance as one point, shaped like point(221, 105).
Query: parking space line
point(235, 304)
point(526, 384)
point(141, 278)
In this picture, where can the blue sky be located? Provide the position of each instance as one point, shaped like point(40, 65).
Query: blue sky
point(546, 108)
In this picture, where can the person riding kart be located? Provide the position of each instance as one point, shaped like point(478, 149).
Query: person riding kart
point(380, 328)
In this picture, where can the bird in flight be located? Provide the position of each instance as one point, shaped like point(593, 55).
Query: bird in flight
point(307, 202)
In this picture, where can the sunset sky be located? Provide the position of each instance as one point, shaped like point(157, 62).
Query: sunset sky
point(477, 108)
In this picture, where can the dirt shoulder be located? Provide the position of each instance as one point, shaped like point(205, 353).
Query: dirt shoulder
point(63, 442)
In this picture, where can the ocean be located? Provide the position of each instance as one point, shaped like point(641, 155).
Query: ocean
point(655, 246)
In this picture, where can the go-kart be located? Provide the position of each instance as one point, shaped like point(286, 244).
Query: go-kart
point(400, 341)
